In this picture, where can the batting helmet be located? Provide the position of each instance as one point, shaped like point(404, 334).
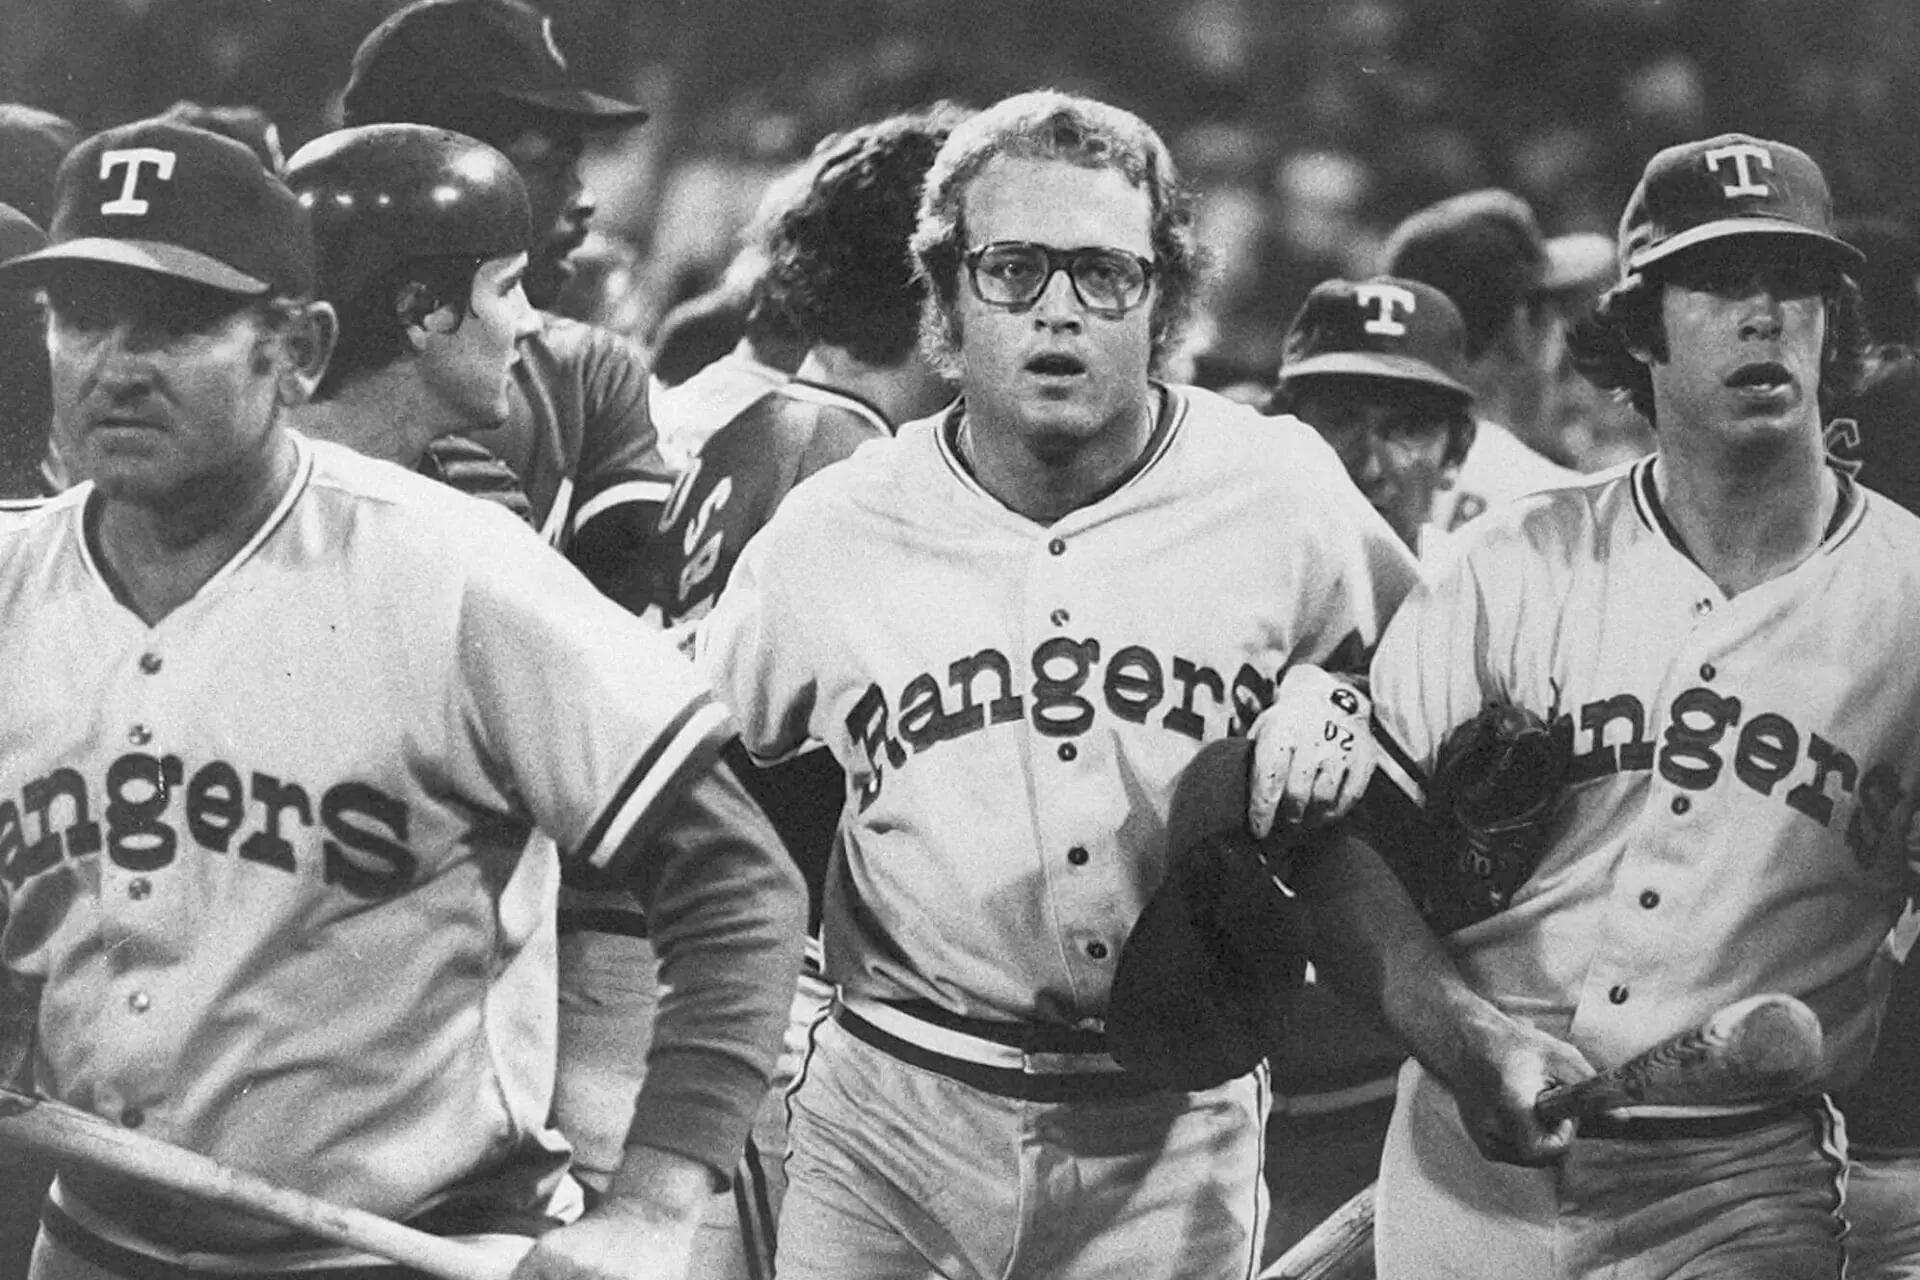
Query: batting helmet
point(384, 194)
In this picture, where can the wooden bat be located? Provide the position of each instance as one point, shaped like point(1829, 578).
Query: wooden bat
point(1340, 1248)
point(1755, 1050)
point(69, 1134)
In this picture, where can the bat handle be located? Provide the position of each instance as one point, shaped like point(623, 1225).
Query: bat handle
point(1564, 1102)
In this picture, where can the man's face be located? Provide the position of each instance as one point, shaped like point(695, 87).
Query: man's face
point(548, 158)
point(469, 367)
point(1745, 322)
point(1393, 447)
point(162, 390)
point(1056, 371)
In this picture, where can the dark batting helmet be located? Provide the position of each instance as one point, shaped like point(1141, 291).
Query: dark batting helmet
point(381, 195)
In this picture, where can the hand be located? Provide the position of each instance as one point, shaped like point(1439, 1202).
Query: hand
point(1505, 1065)
point(643, 1230)
point(1313, 752)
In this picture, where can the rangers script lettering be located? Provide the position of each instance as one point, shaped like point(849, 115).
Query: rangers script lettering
point(150, 800)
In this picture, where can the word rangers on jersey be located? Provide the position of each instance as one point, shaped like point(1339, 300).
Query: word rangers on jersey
point(1134, 685)
point(1693, 753)
point(147, 796)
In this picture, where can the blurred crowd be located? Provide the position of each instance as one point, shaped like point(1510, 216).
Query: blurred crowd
point(1310, 126)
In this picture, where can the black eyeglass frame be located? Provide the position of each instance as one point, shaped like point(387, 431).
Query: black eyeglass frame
point(1058, 260)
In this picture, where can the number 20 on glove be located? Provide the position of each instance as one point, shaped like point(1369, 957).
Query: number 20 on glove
point(1313, 752)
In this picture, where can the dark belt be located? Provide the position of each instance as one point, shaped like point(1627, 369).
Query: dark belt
point(1007, 1082)
point(1682, 1128)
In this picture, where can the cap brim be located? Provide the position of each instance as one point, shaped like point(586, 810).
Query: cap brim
point(1726, 227)
point(1578, 260)
point(1372, 364)
point(140, 255)
point(582, 104)
point(1192, 1007)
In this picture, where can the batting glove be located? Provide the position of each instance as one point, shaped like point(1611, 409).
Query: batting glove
point(1313, 751)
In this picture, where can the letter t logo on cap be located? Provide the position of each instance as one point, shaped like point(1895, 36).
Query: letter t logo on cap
point(1741, 153)
point(133, 157)
point(1385, 299)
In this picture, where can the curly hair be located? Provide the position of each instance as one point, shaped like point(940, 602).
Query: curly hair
point(1628, 316)
point(836, 256)
point(1050, 125)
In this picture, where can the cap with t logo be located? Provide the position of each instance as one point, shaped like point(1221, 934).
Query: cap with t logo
point(1732, 185)
point(1385, 327)
point(164, 197)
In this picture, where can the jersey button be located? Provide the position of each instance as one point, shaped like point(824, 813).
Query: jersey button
point(1618, 995)
point(1707, 671)
point(139, 735)
point(1078, 856)
point(1058, 546)
point(132, 1116)
point(150, 663)
point(140, 889)
point(1098, 950)
point(1681, 804)
point(1703, 607)
point(1649, 899)
point(1068, 751)
point(1058, 617)
point(139, 1002)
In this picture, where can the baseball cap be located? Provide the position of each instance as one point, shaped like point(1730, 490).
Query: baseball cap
point(1208, 976)
point(19, 234)
point(1730, 185)
point(1579, 261)
point(1483, 249)
point(32, 145)
point(165, 197)
point(434, 53)
point(1385, 327)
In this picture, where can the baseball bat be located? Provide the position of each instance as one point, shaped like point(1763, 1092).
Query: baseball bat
point(70, 1134)
point(1340, 1248)
point(1754, 1050)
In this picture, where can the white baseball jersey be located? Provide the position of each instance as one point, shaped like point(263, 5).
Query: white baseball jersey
point(264, 857)
point(1012, 701)
point(1735, 761)
point(1498, 468)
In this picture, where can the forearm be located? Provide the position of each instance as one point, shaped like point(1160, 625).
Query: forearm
point(1371, 944)
point(727, 916)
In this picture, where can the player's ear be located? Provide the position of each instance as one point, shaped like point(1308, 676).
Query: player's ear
point(308, 333)
point(420, 311)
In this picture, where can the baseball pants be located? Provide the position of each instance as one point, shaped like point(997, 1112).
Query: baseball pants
point(897, 1171)
point(1754, 1199)
point(1883, 1218)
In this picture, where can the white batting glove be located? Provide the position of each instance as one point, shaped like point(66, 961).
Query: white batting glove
point(1313, 752)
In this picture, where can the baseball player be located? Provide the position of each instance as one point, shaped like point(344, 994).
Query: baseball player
point(1012, 625)
point(265, 836)
point(420, 239)
point(1484, 250)
point(1718, 635)
point(1378, 368)
point(579, 435)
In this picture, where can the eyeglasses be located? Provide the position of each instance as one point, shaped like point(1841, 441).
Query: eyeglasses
point(1014, 273)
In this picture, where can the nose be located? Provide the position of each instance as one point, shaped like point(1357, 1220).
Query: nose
point(1058, 306)
point(1762, 319)
point(121, 356)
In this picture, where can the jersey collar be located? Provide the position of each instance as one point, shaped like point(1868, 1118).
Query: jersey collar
point(1646, 500)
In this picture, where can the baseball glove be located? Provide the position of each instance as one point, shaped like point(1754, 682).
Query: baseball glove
point(1207, 978)
point(1497, 781)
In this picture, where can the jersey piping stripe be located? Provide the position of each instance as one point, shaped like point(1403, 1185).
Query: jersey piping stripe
point(1847, 512)
point(554, 528)
point(700, 725)
point(654, 491)
point(1166, 429)
point(303, 473)
point(1399, 766)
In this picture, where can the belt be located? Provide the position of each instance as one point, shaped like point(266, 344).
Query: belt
point(1035, 1062)
point(1665, 1128)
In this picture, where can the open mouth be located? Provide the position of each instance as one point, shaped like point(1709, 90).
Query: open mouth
point(1767, 375)
point(1056, 366)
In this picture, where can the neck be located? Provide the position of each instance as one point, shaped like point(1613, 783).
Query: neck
point(161, 553)
point(1049, 477)
point(901, 391)
point(384, 414)
point(1747, 515)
